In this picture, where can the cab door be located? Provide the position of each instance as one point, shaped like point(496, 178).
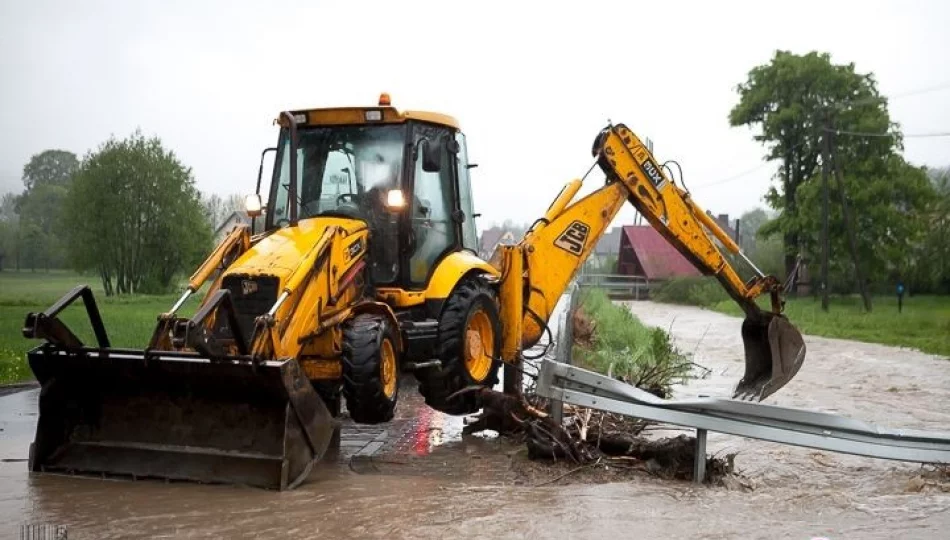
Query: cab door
point(433, 207)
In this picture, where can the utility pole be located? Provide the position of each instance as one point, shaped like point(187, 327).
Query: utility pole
point(849, 226)
point(825, 155)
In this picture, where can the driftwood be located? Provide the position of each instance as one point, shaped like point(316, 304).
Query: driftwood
point(610, 440)
point(514, 416)
point(589, 437)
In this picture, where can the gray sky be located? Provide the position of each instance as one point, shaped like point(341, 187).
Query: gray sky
point(530, 83)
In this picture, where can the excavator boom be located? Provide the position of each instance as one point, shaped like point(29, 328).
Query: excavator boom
point(553, 250)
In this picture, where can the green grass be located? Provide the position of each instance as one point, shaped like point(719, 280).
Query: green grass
point(626, 348)
point(924, 323)
point(129, 320)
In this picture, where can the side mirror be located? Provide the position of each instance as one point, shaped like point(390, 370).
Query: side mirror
point(253, 205)
point(260, 169)
point(431, 156)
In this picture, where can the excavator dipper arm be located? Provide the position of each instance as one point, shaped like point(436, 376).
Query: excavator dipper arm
point(537, 270)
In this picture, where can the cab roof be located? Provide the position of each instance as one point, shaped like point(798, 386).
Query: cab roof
point(383, 113)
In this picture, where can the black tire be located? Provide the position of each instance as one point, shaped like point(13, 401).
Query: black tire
point(437, 384)
point(329, 392)
point(363, 386)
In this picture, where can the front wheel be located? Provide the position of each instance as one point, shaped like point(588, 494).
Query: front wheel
point(370, 368)
point(469, 348)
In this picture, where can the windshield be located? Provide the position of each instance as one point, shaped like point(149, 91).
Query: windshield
point(341, 170)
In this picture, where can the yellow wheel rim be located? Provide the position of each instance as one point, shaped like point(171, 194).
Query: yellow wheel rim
point(387, 368)
point(479, 345)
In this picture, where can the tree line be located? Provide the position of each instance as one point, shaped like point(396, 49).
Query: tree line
point(128, 212)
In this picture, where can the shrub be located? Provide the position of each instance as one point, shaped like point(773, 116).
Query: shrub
point(695, 291)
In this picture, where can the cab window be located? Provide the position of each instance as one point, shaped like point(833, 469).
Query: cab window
point(469, 239)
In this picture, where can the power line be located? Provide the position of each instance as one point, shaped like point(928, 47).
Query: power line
point(735, 176)
point(747, 172)
point(880, 98)
point(868, 134)
point(925, 90)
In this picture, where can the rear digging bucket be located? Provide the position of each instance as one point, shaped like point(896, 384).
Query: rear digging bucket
point(774, 352)
point(112, 412)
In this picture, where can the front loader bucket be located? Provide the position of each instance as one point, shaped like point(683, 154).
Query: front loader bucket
point(176, 416)
point(774, 352)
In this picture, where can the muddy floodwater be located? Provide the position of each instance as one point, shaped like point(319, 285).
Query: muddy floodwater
point(417, 477)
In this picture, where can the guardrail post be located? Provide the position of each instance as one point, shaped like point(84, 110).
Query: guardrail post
point(565, 345)
point(699, 463)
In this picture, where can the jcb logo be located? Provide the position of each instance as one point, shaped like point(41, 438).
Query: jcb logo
point(354, 249)
point(652, 171)
point(248, 287)
point(573, 238)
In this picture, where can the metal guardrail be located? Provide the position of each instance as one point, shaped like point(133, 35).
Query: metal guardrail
point(562, 383)
point(824, 431)
point(618, 285)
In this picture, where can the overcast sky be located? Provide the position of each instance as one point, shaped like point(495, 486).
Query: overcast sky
point(531, 84)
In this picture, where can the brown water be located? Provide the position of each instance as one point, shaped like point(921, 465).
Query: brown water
point(426, 481)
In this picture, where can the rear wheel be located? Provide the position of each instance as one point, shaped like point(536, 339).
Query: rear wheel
point(370, 368)
point(469, 345)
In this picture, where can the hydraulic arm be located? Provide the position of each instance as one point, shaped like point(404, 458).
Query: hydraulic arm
point(538, 269)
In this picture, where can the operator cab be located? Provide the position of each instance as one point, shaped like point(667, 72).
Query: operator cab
point(405, 174)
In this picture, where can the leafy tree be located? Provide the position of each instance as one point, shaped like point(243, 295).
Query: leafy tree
point(749, 224)
point(9, 230)
point(149, 221)
point(888, 210)
point(50, 168)
point(33, 244)
point(766, 251)
point(930, 268)
point(46, 177)
point(770, 256)
point(8, 208)
point(40, 211)
point(789, 100)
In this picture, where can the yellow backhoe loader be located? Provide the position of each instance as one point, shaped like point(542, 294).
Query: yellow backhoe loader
point(361, 268)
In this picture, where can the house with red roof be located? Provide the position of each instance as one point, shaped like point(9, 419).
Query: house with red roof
point(644, 252)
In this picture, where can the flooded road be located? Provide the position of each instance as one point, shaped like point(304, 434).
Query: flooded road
point(418, 477)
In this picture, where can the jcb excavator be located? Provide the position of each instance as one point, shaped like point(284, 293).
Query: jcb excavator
point(361, 269)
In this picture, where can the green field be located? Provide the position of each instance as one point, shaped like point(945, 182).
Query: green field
point(129, 321)
point(924, 323)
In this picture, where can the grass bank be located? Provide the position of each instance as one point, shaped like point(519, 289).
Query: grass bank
point(609, 339)
point(128, 320)
point(923, 324)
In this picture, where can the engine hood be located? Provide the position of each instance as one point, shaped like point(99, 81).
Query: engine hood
point(278, 253)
